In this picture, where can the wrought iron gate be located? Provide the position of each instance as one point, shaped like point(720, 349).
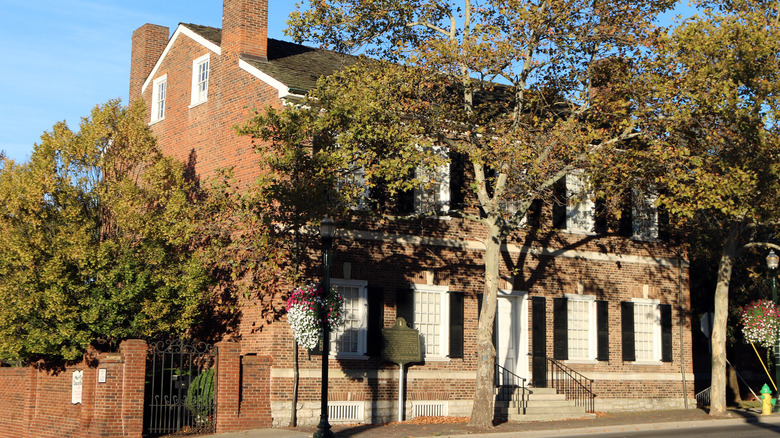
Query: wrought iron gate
point(180, 388)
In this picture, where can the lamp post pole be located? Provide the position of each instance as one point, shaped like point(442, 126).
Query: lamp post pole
point(327, 230)
point(771, 262)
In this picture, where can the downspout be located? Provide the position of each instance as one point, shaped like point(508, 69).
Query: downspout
point(682, 321)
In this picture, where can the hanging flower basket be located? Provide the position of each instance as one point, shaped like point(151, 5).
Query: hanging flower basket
point(305, 316)
point(761, 323)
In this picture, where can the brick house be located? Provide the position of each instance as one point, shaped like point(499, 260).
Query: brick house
point(613, 308)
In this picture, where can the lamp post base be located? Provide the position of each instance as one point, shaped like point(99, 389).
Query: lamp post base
point(323, 430)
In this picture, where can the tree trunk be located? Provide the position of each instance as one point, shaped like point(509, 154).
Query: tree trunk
point(482, 412)
point(733, 384)
point(718, 383)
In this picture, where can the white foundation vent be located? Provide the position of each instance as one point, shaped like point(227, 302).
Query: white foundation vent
point(346, 411)
point(429, 409)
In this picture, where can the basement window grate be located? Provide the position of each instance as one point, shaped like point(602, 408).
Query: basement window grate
point(429, 409)
point(346, 412)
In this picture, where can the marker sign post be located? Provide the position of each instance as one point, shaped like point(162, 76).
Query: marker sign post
point(401, 345)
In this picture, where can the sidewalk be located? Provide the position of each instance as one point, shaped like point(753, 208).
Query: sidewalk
point(447, 427)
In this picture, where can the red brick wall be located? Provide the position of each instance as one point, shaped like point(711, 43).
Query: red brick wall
point(243, 389)
point(36, 403)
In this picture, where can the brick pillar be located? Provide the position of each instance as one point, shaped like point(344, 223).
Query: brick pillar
point(228, 385)
point(134, 370)
point(30, 399)
point(256, 392)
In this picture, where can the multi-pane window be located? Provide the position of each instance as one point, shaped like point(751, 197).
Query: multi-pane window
point(431, 318)
point(581, 329)
point(159, 90)
point(644, 215)
point(350, 338)
point(200, 79)
point(646, 331)
point(433, 195)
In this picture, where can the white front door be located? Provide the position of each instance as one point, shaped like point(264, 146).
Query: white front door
point(512, 332)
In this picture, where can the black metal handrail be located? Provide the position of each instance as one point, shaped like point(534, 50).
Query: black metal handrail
point(572, 384)
point(510, 383)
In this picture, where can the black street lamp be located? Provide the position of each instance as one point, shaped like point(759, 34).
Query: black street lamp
point(771, 262)
point(327, 230)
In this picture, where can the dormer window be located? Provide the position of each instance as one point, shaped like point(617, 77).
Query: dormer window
point(200, 80)
point(159, 89)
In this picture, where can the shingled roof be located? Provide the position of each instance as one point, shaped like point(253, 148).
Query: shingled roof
point(294, 65)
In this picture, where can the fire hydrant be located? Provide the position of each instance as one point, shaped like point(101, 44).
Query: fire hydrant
point(767, 400)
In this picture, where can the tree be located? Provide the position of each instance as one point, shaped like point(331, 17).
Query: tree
point(98, 234)
point(713, 141)
point(505, 84)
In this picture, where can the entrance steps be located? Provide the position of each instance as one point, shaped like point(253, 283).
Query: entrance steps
point(541, 404)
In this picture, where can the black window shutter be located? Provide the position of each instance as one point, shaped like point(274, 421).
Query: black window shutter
point(457, 181)
point(627, 325)
point(560, 202)
point(539, 342)
point(626, 224)
point(600, 220)
point(456, 325)
point(602, 330)
point(560, 329)
point(376, 316)
point(663, 222)
point(666, 332)
point(404, 305)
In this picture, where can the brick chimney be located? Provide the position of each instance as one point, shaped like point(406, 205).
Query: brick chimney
point(149, 41)
point(245, 28)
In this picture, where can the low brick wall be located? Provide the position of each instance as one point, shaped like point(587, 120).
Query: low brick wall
point(37, 403)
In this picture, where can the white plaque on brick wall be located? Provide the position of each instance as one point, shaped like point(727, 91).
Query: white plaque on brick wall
point(77, 385)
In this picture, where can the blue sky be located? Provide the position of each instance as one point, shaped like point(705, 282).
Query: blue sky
point(62, 57)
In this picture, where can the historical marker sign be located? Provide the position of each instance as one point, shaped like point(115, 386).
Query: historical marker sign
point(401, 343)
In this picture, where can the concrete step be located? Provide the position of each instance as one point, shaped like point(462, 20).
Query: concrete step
point(546, 397)
point(563, 410)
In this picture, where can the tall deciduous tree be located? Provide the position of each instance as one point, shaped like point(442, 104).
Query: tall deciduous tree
point(714, 138)
point(97, 233)
point(506, 84)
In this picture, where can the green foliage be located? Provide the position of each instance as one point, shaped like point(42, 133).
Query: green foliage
point(200, 396)
point(97, 233)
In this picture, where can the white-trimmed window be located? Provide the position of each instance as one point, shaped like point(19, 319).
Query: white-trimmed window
point(581, 212)
point(433, 194)
point(159, 90)
point(647, 330)
point(431, 318)
point(581, 315)
point(644, 215)
point(350, 338)
point(200, 80)
point(354, 180)
point(575, 210)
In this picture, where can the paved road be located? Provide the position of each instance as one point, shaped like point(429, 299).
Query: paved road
point(723, 431)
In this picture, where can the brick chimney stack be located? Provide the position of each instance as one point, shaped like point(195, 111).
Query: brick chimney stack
point(149, 42)
point(245, 28)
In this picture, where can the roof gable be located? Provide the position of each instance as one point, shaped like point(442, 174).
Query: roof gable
point(201, 36)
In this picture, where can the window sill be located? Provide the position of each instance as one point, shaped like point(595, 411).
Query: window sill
point(154, 122)
point(197, 104)
point(427, 359)
point(582, 361)
point(648, 362)
point(348, 356)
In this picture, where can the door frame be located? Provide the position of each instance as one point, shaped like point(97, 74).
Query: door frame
point(521, 301)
